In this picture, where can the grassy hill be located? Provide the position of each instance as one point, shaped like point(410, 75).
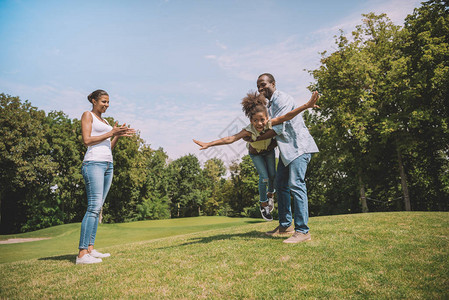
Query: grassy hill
point(64, 238)
point(375, 255)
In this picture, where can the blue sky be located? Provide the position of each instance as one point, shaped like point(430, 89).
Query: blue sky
point(174, 70)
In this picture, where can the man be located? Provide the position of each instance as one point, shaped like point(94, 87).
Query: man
point(296, 146)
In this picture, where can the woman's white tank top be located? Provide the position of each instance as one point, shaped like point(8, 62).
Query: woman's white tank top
point(101, 151)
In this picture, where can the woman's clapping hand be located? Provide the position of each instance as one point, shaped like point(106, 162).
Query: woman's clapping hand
point(122, 130)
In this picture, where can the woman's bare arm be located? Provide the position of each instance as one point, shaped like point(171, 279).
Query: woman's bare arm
point(86, 129)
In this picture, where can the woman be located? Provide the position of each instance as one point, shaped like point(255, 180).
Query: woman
point(261, 150)
point(97, 169)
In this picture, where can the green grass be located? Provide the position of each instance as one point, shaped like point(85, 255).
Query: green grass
point(65, 238)
point(375, 256)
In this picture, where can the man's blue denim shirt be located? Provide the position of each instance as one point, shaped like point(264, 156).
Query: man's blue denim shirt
point(293, 137)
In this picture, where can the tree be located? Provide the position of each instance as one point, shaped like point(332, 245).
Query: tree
point(27, 168)
point(385, 104)
point(213, 173)
point(185, 188)
point(129, 177)
point(155, 202)
point(245, 180)
point(67, 186)
point(332, 187)
point(426, 53)
point(347, 105)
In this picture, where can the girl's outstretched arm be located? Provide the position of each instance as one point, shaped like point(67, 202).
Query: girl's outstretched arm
point(224, 141)
point(290, 115)
point(270, 133)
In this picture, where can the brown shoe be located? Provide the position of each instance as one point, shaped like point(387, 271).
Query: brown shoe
point(298, 237)
point(279, 231)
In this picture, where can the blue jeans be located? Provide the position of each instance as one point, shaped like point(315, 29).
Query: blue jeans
point(98, 178)
point(266, 167)
point(291, 179)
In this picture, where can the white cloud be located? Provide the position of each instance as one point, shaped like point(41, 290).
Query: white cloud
point(173, 126)
point(169, 123)
point(288, 59)
point(54, 52)
point(221, 45)
point(51, 96)
point(396, 10)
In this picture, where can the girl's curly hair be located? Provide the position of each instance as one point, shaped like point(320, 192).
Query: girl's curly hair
point(254, 103)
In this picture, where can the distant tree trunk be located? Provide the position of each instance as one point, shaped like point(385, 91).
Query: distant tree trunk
point(403, 182)
point(362, 195)
point(11, 212)
point(64, 218)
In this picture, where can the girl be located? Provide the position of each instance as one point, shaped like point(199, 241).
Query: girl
point(97, 170)
point(261, 151)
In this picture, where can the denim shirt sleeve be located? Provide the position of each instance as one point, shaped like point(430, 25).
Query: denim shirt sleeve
point(280, 128)
point(279, 107)
point(293, 137)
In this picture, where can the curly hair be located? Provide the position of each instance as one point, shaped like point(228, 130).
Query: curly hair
point(254, 103)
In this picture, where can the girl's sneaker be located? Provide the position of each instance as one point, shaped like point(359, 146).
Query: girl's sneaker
point(271, 201)
point(87, 259)
point(97, 254)
point(265, 212)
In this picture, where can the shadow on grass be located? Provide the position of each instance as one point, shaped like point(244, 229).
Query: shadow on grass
point(68, 257)
point(254, 221)
point(209, 239)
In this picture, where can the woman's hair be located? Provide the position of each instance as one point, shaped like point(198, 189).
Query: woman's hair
point(95, 95)
point(254, 103)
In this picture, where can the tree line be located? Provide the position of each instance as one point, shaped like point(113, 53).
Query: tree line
point(42, 186)
point(382, 131)
point(383, 127)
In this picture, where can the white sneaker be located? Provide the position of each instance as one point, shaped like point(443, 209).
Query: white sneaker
point(87, 259)
point(265, 212)
point(271, 203)
point(97, 254)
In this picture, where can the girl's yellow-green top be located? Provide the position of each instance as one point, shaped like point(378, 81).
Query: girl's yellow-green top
point(262, 145)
